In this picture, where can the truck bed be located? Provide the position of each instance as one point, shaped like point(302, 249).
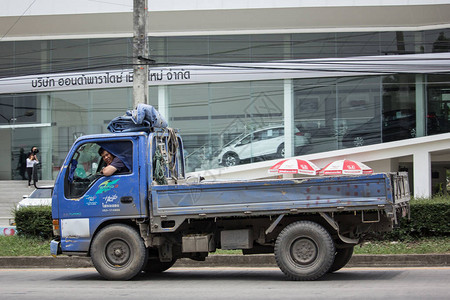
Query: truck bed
point(265, 197)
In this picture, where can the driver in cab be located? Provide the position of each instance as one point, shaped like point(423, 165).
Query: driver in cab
point(113, 163)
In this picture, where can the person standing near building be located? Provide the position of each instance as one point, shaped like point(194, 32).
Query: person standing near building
point(31, 161)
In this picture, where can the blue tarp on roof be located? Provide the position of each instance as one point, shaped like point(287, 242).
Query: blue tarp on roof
point(143, 118)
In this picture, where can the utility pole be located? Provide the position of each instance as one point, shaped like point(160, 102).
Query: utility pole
point(140, 50)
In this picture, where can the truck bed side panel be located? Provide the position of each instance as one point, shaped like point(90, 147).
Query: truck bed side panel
point(348, 192)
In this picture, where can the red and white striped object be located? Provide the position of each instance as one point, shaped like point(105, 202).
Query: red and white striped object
point(295, 166)
point(346, 166)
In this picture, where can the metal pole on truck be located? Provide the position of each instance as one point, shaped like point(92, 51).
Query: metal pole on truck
point(140, 50)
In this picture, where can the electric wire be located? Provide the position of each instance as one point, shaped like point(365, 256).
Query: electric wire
point(17, 20)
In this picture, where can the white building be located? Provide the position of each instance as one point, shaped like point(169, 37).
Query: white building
point(365, 80)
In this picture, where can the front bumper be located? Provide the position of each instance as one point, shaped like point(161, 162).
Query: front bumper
point(55, 248)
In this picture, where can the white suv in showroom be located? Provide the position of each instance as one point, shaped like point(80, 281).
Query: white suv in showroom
point(265, 142)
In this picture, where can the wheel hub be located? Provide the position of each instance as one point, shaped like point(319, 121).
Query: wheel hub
point(230, 161)
point(118, 253)
point(304, 251)
point(358, 142)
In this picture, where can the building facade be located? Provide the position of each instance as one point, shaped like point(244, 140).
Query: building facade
point(260, 80)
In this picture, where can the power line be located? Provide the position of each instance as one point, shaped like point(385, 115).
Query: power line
point(18, 19)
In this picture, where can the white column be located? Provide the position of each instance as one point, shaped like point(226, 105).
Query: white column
point(46, 144)
point(289, 118)
point(163, 102)
point(421, 107)
point(46, 149)
point(422, 174)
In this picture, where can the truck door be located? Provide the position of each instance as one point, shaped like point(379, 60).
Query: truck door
point(89, 194)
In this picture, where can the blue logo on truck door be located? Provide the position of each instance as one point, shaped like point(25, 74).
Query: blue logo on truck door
point(107, 186)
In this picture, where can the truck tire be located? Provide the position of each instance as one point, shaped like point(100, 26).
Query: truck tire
point(157, 266)
point(118, 252)
point(341, 258)
point(304, 250)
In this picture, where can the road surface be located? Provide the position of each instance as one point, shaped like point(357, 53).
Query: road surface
point(227, 283)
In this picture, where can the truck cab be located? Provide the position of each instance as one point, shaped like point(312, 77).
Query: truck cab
point(84, 200)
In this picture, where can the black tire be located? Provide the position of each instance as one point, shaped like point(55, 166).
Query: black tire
point(280, 151)
point(341, 258)
point(157, 266)
point(304, 250)
point(118, 252)
point(230, 159)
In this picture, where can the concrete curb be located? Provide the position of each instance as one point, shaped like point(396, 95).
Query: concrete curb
point(248, 261)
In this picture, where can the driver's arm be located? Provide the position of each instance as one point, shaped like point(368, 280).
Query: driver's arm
point(108, 170)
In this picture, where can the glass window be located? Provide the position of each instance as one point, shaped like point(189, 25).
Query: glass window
point(438, 104)
point(24, 111)
point(212, 116)
point(357, 44)
point(186, 50)
point(189, 111)
point(82, 170)
point(18, 109)
point(78, 113)
point(268, 47)
point(110, 53)
point(7, 61)
point(70, 55)
point(359, 112)
point(229, 48)
point(6, 109)
point(86, 163)
point(400, 42)
point(315, 115)
point(399, 107)
point(437, 40)
point(32, 57)
point(313, 45)
point(246, 140)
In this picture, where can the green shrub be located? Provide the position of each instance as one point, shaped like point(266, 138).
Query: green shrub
point(34, 221)
point(429, 218)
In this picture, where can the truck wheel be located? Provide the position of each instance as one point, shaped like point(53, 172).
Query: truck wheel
point(341, 258)
point(118, 252)
point(304, 251)
point(157, 266)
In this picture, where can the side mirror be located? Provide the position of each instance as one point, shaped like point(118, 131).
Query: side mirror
point(34, 175)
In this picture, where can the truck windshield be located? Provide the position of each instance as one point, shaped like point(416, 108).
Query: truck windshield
point(86, 163)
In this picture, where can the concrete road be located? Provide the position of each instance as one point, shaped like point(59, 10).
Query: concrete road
point(227, 283)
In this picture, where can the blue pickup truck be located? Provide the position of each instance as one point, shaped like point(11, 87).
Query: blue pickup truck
point(146, 218)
